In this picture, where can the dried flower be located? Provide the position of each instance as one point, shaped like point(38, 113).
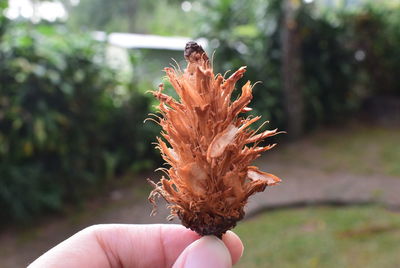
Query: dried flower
point(208, 147)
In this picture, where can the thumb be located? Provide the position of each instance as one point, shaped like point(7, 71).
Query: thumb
point(208, 251)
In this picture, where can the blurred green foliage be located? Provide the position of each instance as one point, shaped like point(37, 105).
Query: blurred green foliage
point(374, 32)
point(328, 69)
point(162, 17)
point(64, 130)
point(246, 33)
point(346, 56)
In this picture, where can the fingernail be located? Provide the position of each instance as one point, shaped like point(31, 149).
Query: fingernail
point(207, 251)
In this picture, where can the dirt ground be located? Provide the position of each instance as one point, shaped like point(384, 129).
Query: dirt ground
point(311, 175)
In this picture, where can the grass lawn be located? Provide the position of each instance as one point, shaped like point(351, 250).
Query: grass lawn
point(360, 236)
point(359, 149)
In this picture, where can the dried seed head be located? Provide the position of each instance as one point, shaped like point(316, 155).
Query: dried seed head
point(208, 147)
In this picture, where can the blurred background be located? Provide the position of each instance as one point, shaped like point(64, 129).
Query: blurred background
point(74, 150)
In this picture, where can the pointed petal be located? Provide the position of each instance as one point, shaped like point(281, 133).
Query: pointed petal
point(221, 141)
point(256, 175)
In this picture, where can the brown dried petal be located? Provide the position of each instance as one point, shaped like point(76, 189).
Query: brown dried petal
point(196, 177)
point(256, 175)
point(220, 141)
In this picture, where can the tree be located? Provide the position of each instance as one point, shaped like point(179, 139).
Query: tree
point(291, 70)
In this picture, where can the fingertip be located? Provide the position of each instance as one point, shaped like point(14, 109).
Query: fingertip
point(208, 251)
point(234, 245)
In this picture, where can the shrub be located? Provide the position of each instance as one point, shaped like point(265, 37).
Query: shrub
point(247, 34)
point(345, 56)
point(63, 131)
point(328, 69)
point(373, 33)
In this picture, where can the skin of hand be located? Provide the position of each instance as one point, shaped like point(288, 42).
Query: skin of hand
point(153, 245)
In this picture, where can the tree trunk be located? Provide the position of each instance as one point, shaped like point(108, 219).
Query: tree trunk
point(291, 70)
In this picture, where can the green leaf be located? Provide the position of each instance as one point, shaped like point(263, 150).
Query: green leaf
point(246, 31)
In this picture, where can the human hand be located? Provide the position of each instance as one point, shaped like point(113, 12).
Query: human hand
point(158, 245)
